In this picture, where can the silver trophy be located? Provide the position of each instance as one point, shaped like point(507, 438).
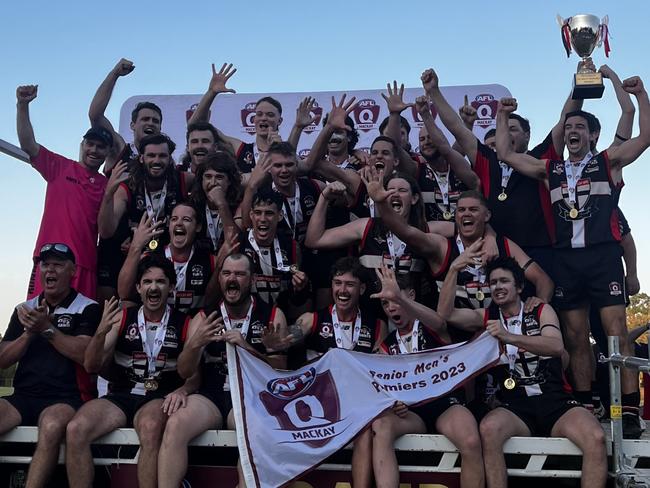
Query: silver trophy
point(584, 33)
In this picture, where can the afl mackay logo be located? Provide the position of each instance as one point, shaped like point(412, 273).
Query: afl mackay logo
point(303, 153)
point(317, 114)
point(248, 117)
point(366, 114)
point(417, 118)
point(486, 109)
point(306, 406)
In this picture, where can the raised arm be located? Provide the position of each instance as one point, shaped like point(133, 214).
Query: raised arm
point(557, 132)
point(544, 286)
point(24, 95)
point(101, 345)
point(626, 122)
point(390, 291)
point(461, 318)
point(457, 162)
point(395, 103)
point(548, 343)
point(522, 162)
point(426, 244)
point(335, 121)
point(304, 118)
point(114, 202)
point(126, 280)
point(464, 136)
point(629, 151)
point(258, 177)
point(100, 101)
point(317, 237)
point(217, 85)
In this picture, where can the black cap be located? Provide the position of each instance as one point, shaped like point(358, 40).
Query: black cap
point(57, 250)
point(100, 134)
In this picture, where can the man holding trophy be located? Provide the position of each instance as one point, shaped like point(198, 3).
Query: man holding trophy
point(587, 261)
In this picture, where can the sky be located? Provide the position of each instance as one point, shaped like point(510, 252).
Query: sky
point(67, 48)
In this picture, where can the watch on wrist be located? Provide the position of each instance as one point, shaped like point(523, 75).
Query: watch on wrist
point(48, 333)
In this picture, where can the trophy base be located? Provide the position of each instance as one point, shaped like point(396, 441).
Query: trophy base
point(587, 85)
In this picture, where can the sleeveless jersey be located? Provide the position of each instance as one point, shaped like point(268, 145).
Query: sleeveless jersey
point(268, 286)
point(521, 216)
point(427, 339)
point(214, 366)
point(245, 157)
point(471, 292)
point(597, 221)
point(321, 338)
point(309, 194)
point(374, 251)
point(534, 375)
point(434, 206)
point(130, 361)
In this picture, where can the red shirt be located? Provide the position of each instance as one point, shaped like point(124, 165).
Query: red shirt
point(72, 200)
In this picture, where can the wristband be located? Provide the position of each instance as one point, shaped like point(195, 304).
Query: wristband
point(620, 138)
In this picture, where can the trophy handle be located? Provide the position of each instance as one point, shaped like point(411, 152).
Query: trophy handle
point(560, 20)
point(566, 34)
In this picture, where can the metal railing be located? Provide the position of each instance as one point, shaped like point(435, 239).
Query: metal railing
point(625, 474)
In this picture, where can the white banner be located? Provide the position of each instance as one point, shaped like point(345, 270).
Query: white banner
point(233, 114)
point(289, 422)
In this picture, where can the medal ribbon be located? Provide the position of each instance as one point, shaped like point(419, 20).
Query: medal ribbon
point(443, 185)
point(513, 325)
point(415, 338)
point(152, 350)
point(245, 324)
point(280, 266)
point(573, 173)
point(214, 229)
point(295, 212)
point(338, 333)
point(395, 254)
point(155, 211)
point(506, 172)
point(181, 274)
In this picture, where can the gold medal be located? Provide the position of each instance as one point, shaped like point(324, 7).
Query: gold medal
point(510, 383)
point(150, 384)
point(502, 196)
point(153, 244)
point(293, 269)
point(447, 215)
point(480, 296)
point(573, 213)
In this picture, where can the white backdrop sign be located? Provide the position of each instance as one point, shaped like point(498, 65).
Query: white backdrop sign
point(233, 114)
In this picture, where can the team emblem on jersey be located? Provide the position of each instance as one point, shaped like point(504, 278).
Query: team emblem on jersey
point(132, 333)
point(306, 406)
point(64, 321)
point(139, 202)
point(558, 168)
point(197, 274)
point(530, 322)
point(309, 203)
point(326, 331)
point(615, 289)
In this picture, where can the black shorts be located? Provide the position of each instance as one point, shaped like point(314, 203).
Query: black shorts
point(540, 412)
point(130, 403)
point(221, 399)
point(429, 412)
point(589, 275)
point(31, 407)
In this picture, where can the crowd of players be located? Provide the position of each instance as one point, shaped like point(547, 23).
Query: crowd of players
point(390, 252)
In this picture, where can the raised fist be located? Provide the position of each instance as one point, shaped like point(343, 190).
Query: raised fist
point(26, 93)
point(123, 67)
point(429, 80)
point(507, 105)
point(633, 85)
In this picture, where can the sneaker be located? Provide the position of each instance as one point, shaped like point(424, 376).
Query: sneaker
point(631, 426)
point(599, 412)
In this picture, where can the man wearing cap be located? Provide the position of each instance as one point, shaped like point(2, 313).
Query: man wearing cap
point(47, 336)
point(73, 195)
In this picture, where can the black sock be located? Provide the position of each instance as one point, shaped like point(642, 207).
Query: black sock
point(584, 397)
point(630, 402)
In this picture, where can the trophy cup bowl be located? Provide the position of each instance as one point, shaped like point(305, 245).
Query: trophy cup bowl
point(584, 34)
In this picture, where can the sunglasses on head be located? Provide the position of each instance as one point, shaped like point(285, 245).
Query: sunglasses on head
point(56, 246)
